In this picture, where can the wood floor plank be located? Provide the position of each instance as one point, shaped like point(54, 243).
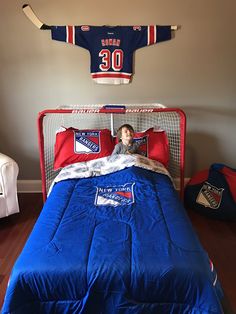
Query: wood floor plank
point(219, 240)
point(14, 231)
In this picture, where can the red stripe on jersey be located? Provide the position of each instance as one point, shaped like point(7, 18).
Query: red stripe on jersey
point(113, 75)
point(151, 36)
point(70, 34)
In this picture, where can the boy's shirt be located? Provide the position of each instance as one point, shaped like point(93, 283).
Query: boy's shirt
point(120, 148)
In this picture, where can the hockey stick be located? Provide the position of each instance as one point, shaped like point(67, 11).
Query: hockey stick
point(33, 18)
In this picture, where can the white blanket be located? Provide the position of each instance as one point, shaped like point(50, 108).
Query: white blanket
point(106, 165)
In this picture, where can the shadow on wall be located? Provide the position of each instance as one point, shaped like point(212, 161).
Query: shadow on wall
point(204, 112)
point(208, 131)
point(4, 144)
point(200, 149)
point(12, 145)
point(29, 167)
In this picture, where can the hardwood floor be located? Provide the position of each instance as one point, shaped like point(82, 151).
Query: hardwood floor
point(14, 231)
point(217, 237)
point(219, 240)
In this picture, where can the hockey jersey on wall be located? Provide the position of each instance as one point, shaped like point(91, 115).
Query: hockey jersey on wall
point(111, 48)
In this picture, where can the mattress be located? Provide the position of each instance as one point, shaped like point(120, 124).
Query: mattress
point(113, 239)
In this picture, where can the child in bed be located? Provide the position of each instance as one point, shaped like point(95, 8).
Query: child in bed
point(126, 144)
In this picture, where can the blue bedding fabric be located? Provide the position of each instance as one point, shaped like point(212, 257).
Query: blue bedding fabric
point(120, 243)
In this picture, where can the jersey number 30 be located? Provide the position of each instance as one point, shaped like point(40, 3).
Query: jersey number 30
point(112, 60)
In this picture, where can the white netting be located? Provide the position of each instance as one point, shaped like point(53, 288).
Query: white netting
point(169, 121)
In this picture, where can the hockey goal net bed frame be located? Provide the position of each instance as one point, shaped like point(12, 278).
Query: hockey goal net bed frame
point(117, 242)
point(141, 117)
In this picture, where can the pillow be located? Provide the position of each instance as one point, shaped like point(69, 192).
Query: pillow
point(73, 145)
point(153, 144)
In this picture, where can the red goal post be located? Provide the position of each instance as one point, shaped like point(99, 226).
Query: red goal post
point(141, 117)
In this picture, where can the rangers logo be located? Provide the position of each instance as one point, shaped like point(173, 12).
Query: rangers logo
point(87, 142)
point(210, 196)
point(85, 28)
point(115, 195)
point(142, 141)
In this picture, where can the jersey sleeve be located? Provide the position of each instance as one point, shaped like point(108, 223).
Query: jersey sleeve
point(150, 35)
point(75, 35)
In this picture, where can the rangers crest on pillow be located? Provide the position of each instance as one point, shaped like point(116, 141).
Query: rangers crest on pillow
point(115, 195)
point(87, 142)
point(143, 144)
point(73, 145)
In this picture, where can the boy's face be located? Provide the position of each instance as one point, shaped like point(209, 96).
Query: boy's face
point(126, 134)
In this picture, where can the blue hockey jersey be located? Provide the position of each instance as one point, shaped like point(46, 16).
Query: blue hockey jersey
point(111, 47)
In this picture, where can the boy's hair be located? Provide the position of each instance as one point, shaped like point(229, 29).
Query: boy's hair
point(119, 131)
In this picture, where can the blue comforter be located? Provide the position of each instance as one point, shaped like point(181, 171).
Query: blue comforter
point(118, 243)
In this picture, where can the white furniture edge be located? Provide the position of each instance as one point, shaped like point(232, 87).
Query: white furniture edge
point(8, 186)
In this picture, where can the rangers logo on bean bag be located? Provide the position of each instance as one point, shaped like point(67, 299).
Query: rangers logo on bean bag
point(210, 196)
point(212, 192)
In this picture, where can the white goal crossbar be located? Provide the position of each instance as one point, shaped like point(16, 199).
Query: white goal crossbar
point(141, 117)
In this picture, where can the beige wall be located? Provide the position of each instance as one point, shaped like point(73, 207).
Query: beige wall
point(195, 71)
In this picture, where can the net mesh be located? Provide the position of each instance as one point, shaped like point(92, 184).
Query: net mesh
point(170, 121)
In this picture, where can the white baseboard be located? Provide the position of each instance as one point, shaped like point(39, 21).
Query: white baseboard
point(35, 186)
point(29, 186)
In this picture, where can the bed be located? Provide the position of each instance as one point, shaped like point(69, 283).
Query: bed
point(113, 236)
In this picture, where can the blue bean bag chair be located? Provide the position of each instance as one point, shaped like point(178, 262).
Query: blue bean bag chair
point(212, 192)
